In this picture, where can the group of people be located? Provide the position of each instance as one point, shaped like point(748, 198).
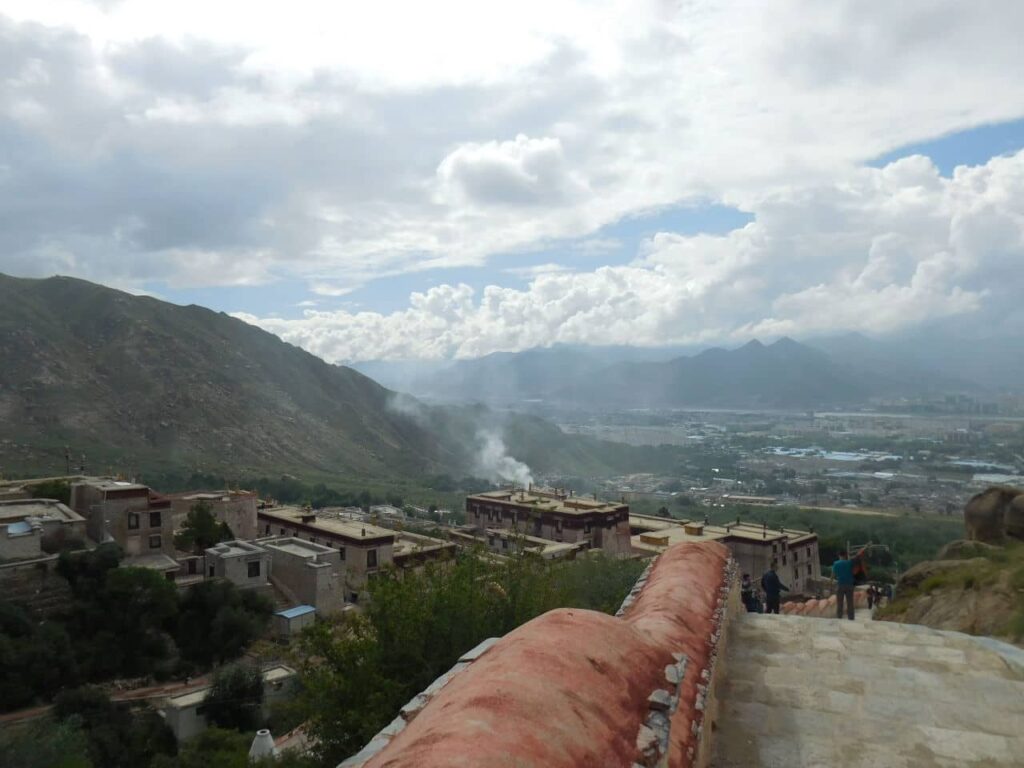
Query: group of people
point(846, 571)
point(772, 587)
point(878, 593)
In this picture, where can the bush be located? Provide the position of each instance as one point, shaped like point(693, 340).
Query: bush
point(235, 699)
point(116, 736)
point(217, 620)
point(44, 744)
point(358, 674)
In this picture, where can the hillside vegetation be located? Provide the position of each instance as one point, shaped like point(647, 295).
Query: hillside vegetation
point(140, 385)
point(972, 587)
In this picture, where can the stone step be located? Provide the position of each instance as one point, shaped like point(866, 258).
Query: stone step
point(799, 691)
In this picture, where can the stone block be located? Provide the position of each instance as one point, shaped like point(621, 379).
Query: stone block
point(414, 707)
point(479, 650)
point(660, 700)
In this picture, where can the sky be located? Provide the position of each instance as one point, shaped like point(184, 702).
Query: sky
point(402, 180)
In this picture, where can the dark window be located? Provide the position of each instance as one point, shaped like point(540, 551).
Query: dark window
point(211, 572)
point(169, 575)
point(809, 569)
point(191, 566)
point(155, 542)
point(558, 525)
point(371, 558)
point(254, 569)
point(783, 559)
point(268, 529)
point(353, 597)
point(796, 574)
point(282, 531)
point(133, 521)
point(341, 551)
point(504, 543)
point(808, 553)
point(154, 519)
point(201, 711)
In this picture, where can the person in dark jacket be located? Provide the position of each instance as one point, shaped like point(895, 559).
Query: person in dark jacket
point(773, 589)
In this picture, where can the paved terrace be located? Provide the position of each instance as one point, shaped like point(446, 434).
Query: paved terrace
point(680, 678)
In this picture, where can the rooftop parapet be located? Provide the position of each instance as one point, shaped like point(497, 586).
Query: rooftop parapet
point(579, 688)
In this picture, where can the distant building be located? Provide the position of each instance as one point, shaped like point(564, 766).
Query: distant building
point(554, 515)
point(364, 549)
point(138, 519)
point(506, 541)
point(185, 713)
point(237, 509)
point(291, 621)
point(793, 553)
point(753, 501)
point(26, 525)
point(243, 563)
point(307, 573)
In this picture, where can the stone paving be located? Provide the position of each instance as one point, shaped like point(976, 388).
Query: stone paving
point(800, 692)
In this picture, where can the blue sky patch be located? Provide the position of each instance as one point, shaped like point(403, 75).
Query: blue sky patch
point(975, 146)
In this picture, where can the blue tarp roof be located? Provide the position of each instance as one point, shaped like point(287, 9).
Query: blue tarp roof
point(298, 610)
point(19, 527)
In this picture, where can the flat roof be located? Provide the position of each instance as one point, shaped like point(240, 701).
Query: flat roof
point(298, 610)
point(349, 529)
point(235, 548)
point(407, 543)
point(550, 502)
point(751, 532)
point(196, 697)
point(157, 562)
point(293, 545)
point(46, 509)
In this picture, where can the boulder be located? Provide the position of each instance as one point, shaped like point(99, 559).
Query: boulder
point(994, 514)
point(961, 549)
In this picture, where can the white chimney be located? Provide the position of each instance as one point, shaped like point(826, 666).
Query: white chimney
point(262, 745)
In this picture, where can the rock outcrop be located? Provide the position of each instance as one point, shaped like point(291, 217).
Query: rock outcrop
point(995, 514)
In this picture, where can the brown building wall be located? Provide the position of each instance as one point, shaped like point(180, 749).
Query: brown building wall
point(237, 510)
point(130, 517)
point(607, 531)
point(361, 558)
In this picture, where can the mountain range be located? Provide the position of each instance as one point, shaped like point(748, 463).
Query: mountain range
point(138, 384)
point(786, 374)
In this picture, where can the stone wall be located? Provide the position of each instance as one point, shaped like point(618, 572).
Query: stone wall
point(576, 687)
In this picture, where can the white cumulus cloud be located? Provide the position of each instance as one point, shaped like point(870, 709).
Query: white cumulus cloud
point(880, 250)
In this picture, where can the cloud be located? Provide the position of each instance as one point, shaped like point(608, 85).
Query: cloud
point(879, 250)
point(156, 143)
point(536, 269)
point(521, 172)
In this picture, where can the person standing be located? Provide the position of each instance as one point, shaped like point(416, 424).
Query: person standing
point(871, 596)
point(773, 589)
point(842, 572)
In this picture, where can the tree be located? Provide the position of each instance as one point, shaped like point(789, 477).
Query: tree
point(216, 621)
point(347, 695)
point(357, 674)
point(59, 490)
point(235, 699)
point(44, 744)
point(201, 530)
point(663, 512)
point(219, 748)
point(213, 748)
point(117, 737)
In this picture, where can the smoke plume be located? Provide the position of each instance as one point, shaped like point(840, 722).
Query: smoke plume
point(494, 462)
